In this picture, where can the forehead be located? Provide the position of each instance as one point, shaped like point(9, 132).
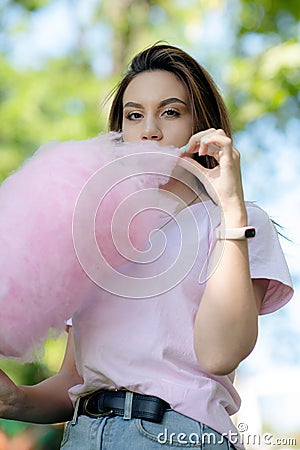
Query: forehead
point(155, 85)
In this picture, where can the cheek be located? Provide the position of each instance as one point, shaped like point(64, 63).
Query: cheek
point(129, 133)
point(183, 134)
point(124, 128)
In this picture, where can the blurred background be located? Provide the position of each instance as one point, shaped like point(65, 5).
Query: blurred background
point(58, 61)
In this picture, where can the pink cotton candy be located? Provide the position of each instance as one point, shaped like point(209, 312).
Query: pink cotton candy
point(46, 256)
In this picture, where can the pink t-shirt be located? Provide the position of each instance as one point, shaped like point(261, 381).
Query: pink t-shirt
point(146, 345)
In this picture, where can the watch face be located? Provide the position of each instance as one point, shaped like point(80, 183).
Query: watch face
point(250, 233)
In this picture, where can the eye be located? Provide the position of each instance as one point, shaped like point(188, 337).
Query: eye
point(171, 113)
point(133, 115)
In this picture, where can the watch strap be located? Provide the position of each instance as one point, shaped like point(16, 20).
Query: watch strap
point(235, 233)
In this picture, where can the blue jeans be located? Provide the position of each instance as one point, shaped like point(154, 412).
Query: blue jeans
point(116, 433)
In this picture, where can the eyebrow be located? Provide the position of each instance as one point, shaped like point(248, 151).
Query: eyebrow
point(163, 103)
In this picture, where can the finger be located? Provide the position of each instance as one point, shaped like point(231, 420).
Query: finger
point(194, 143)
point(193, 167)
point(215, 145)
point(199, 172)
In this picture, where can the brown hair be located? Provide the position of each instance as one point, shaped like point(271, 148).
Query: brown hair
point(208, 108)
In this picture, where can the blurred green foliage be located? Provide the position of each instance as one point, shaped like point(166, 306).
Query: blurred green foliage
point(59, 102)
point(264, 74)
point(30, 5)
point(62, 99)
point(41, 437)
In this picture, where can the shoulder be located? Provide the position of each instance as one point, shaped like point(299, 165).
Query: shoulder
point(260, 219)
point(257, 213)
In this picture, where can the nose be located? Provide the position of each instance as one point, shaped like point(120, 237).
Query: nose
point(151, 131)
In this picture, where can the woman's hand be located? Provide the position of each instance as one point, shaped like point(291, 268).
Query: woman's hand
point(225, 328)
point(8, 393)
point(45, 402)
point(224, 182)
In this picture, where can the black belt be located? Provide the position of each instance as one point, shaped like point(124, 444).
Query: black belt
point(105, 402)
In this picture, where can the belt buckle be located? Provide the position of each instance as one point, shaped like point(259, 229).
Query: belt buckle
point(84, 407)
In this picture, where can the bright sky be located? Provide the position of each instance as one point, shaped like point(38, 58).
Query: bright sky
point(53, 32)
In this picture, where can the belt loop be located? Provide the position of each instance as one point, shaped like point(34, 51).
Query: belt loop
point(128, 405)
point(74, 419)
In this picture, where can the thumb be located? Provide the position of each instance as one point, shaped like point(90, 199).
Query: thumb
point(199, 172)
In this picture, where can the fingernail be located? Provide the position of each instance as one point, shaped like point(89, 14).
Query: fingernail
point(204, 140)
point(185, 148)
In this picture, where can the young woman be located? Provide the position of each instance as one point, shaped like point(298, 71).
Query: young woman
point(158, 371)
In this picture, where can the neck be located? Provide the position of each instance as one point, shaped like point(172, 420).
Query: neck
point(184, 185)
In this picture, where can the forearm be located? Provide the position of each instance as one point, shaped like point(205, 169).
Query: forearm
point(46, 402)
point(226, 323)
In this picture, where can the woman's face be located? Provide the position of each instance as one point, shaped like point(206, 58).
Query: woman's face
point(156, 107)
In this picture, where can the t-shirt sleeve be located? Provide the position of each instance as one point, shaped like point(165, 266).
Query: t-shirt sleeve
point(267, 260)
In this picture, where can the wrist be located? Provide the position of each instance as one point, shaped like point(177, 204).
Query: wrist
point(234, 212)
point(10, 405)
point(239, 234)
point(235, 218)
